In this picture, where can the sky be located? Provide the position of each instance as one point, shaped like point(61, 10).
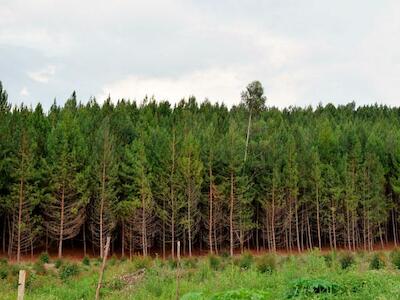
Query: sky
point(303, 52)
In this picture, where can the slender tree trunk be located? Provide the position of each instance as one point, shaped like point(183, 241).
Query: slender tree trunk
point(144, 234)
point(103, 187)
point(21, 196)
point(348, 227)
point(123, 240)
point(4, 235)
point(173, 204)
point(394, 228)
point(318, 219)
point(210, 215)
point(60, 241)
point(231, 217)
point(273, 220)
point(297, 226)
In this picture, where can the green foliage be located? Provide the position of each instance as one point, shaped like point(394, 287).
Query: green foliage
point(346, 260)
point(395, 258)
point(214, 262)
point(142, 262)
point(86, 261)
point(3, 271)
point(190, 262)
point(245, 261)
point(44, 258)
point(58, 263)
point(38, 267)
point(377, 262)
point(310, 287)
point(266, 263)
point(68, 270)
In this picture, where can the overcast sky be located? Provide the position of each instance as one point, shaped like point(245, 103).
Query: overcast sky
point(303, 52)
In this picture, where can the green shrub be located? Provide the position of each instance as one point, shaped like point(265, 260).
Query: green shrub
point(58, 263)
point(116, 284)
point(309, 287)
point(377, 262)
point(240, 294)
point(86, 261)
point(3, 261)
point(190, 263)
point(328, 258)
point(266, 264)
point(3, 271)
point(346, 260)
point(214, 262)
point(112, 261)
point(245, 261)
point(44, 258)
point(68, 270)
point(38, 267)
point(142, 262)
point(224, 254)
point(172, 263)
point(395, 258)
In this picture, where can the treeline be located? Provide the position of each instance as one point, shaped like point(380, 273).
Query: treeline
point(217, 179)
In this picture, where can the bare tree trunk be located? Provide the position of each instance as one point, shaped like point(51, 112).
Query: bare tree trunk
point(273, 220)
point(144, 233)
point(99, 284)
point(173, 204)
point(210, 215)
point(4, 235)
point(60, 241)
point(21, 196)
point(123, 240)
point(231, 217)
point(318, 219)
point(348, 227)
point(103, 186)
point(394, 229)
point(297, 226)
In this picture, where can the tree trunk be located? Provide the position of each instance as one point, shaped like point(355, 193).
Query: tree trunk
point(21, 196)
point(103, 186)
point(318, 219)
point(210, 218)
point(231, 217)
point(144, 234)
point(60, 241)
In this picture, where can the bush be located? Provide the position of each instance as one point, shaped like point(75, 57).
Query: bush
point(44, 258)
point(347, 260)
point(142, 262)
point(68, 270)
point(58, 263)
point(38, 267)
point(266, 264)
point(395, 258)
point(172, 263)
point(112, 261)
point(3, 271)
point(309, 287)
point(224, 254)
point(377, 262)
point(86, 261)
point(214, 262)
point(245, 261)
point(190, 263)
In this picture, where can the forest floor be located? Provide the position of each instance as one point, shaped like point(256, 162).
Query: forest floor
point(311, 275)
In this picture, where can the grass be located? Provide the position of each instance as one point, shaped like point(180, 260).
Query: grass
point(306, 276)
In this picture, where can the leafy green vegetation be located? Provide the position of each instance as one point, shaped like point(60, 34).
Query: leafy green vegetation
point(305, 276)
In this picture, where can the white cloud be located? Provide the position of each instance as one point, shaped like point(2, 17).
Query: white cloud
point(24, 92)
point(215, 84)
point(43, 75)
